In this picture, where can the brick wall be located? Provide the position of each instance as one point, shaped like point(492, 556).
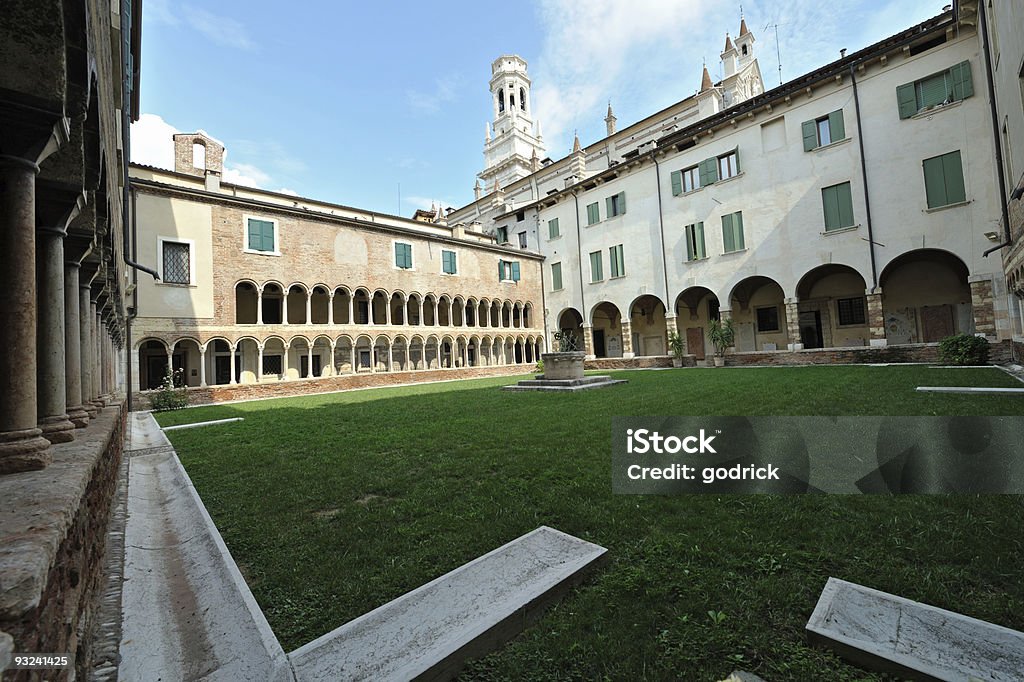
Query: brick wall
point(280, 389)
point(52, 544)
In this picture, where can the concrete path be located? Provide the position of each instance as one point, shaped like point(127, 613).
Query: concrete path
point(188, 614)
point(970, 389)
point(885, 632)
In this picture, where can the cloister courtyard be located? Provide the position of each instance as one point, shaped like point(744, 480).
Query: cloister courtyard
point(334, 504)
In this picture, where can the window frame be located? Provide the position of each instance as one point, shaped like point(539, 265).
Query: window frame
point(501, 234)
point(742, 233)
point(757, 319)
point(245, 235)
point(690, 236)
point(616, 262)
point(732, 163)
point(945, 185)
point(600, 267)
point(523, 239)
point(616, 205)
point(455, 262)
point(596, 217)
point(191, 244)
point(394, 250)
point(510, 268)
point(554, 229)
point(559, 272)
point(839, 207)
point(271, 356)
point(863, 311)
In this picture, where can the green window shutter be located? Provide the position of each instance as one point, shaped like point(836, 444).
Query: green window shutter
point(515, 272)
point(255, 236)
point(953, 175)
point(268, 236)
point(810, 132)
point(553, 228)
point(906, 97)
point(622, 203)
point(593, 214)
point(690, 242)
point(934, 183)
point(699, 251)
point(501, 270)
point(737, 226)
point(596, 275)
point(830, 204)
point(556, 276)
point(616, 261)
point(728, 237)
point(608, 207)
point(399, 260)
point(677, 183)
point(736, 151)
point(708, 169)
point(837, 126)
point(933, 90)
point(963, 87)
point(844, 198)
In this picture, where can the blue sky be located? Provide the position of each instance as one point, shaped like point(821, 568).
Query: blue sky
point(363, 103)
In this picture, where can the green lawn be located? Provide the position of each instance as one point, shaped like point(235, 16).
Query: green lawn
point(335, 504)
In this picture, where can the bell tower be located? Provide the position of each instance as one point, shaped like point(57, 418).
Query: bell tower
point(513, 138)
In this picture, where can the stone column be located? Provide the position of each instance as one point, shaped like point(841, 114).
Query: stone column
point(231, 363)
point(437, 349)
point(421, 313)
point(73, 346)
point(284, 308)
point(391, 358)
point(85, 339)
point(52, 386)
point(671, 327)
point(309, 361)
point(309, 307)
point(627, 339)
point(793, 324)
point(202, 366)
point(351, 312)
point(330, 315)
point(95, 389)
point(22, 446)
point(451, 316)
point(352, 353)
point(332, 371)
point(387, 312)
point(588, 341)
point(259, 305)
point(876, 317)
point(284, 362)
point(982, 307)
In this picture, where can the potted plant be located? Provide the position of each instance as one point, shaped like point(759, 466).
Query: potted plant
point(722, 335)
point(678, 348)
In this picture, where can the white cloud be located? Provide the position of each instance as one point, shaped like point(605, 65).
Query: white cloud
point(245, 174)
point(220, 30)
point(430, 102)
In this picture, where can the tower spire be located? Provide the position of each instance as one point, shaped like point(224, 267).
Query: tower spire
point(609, 120)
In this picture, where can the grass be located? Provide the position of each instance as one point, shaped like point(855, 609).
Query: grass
point(334, 504)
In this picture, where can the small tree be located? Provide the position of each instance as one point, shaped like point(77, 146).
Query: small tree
point(167, 396)
point(964, 349)
point(676, 345)
point(722, 335)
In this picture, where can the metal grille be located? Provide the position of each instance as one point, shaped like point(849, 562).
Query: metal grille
point(176, 263)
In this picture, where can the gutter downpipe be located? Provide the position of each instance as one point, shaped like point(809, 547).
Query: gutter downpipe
point(661, 227)
point(864, 180)
point(579, 258)
point(1007, 240)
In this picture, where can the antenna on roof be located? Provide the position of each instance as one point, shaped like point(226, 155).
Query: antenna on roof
point(778, 53)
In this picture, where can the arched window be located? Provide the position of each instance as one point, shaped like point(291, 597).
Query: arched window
point(522, 99)
point(199, 155)
point(744, 50)
point(501, 100)
point(511, 101)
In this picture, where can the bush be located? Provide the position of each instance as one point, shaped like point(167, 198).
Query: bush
point(964, 349)
point(540, 366)
point(168, 397)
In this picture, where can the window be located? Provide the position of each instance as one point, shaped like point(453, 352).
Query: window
point(707, 171)
point(732, 232)
point(272, 364)
point(520, 216)
point(695, 241)
point(596, 271)
point(685, 180)
point(852, 311)
point(944, 87)
point(944, 180)
point(823, 131)
point(553, 231)
point(199, 155)
point(768, 319)
point(556, 276)
point(593, 214)
point(449, 264)
point(728, 165)
point(508, 271)
point(261, 235)
point(616, 204)
point(617, 262)
point(403, 255)
point(502, 235)
point(522, 240)
point(837, 202)
point(177, 262)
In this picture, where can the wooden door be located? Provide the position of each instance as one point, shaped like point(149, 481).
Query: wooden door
point(936, 322)
point(695, 341)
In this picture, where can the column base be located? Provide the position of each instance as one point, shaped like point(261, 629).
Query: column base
point(79, 416)
point(57, 429)
point(90, 410)
point(628, 356)
point(879, 343)
point(23, 450)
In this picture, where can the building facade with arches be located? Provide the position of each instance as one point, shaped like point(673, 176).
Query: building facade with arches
point(855, 206)
point(259, 287)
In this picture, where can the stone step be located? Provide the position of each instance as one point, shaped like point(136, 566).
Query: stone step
point(429, 632)
point(885, 632)
point(541, 381)
point(552, 386)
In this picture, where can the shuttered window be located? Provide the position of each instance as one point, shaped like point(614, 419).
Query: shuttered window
point(615, 204)
point(556, 276)
point(945, 87)
point(708, 172)
point(695, 241)
point(502, 235)
point(448, 262)
point(837, 202)
point(593, 214)
point(553, 230)
point(508, 271)
point(260, 235)
point(944, 180)
point(596, 271)
point(403, 255)
point(732, 232)
point(823, 131)
point(617, 262)
point(685, 180)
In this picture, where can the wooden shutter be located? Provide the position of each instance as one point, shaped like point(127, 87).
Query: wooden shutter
point(737, 227)
point(728, 238)
point(677, 183)
point(501, 270)
point(934, 90)
point(255, 236)
point(268, 235)
point(953, 176)
point(708, 169)
point(690, 242)
point(844, 199)
point(830, 204)
point(810, 132)
point(515, 272)
point(963, 86)
point(736, 152)
point(934, 184)
point(622, 203)
point(906, 98)
point(556, 276)
point(699, 240)
point(836, 125)
point(609, 207)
